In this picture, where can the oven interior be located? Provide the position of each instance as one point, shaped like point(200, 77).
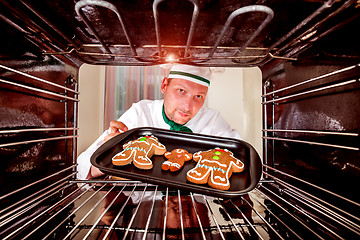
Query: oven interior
point(308, 53)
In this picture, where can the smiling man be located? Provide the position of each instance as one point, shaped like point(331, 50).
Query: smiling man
point(182, 109)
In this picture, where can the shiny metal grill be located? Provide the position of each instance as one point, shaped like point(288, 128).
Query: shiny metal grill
point(108, 209)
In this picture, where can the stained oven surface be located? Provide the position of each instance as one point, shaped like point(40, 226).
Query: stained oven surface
point(310, 61)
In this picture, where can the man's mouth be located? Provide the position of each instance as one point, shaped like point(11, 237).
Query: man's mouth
point(183, 114)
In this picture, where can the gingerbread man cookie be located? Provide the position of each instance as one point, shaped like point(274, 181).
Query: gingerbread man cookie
point(139, 152)
point(176, 159)
point(214, 167)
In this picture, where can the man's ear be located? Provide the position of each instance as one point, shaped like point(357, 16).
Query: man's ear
point(164, 84)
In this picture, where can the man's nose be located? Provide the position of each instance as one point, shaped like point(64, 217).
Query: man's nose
point(188, 103)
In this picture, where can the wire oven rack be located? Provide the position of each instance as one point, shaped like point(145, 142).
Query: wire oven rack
point(115, 209)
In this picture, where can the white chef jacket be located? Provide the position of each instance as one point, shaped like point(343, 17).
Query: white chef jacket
point(148, 113)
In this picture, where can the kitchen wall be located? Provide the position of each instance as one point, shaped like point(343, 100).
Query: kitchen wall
point(235, 92)
point(91, 105)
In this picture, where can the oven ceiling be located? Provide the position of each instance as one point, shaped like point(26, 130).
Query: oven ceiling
point(190, 31)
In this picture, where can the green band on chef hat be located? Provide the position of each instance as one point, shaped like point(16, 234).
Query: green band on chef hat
point(199, 75)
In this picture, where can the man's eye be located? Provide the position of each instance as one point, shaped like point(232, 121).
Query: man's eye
point(199, 96)
point(181, 90)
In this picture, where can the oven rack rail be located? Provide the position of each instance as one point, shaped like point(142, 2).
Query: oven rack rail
point(82, 209)
point(290, 93)
point(66, 96)
point(63, 95)
point(304, 34)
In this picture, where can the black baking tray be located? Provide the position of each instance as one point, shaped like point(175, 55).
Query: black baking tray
point(240, 183)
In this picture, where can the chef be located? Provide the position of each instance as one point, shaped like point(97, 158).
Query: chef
point(182, 109)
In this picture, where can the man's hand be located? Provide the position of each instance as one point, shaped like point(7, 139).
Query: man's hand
point(94, 172)
point(116, 128)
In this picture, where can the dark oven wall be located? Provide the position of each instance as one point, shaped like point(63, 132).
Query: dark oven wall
point(311, 130)
point(37, 99)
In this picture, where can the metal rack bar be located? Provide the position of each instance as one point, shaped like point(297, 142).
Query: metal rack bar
point(35, 218)
point(75, 130)
point(191, 30)
point(240, 11)
point(173, 46)
point(308, 215)
point(275, 216)
point(263, 219)
point(109, 6)
point(150, 214)
point(165, 214)
point(58, 212)
point(312, 91)
point(286, 211)
point(323, 210)
point(52, 26)
point(192, 26)
point(156, 58)
point(119, 182)
point(134, 215)
point(323, 7)
point(318, 205)
point(213, 217)
point(75, 210)
point(309, 32)
point(37, 130)
point(90, 211)
point(312, 132)
point(37, 140)
point(265, 124)
point(246, 220)
point(36, 182)
point(181, 217)
point(312, 185)
point(105, 210)
point(231, 219)
point(312, 143)
point(37, 90)
point(38, 79)
point(197, 216)
point(313, 79)
point(40, 199)
point(111, 227)
point(12, 212)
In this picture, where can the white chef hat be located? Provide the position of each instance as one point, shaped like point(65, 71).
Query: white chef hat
point(199, 75)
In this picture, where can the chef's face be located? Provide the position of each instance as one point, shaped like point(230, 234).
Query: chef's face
point(182, 99)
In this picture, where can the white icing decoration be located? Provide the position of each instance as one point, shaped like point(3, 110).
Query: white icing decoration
point(197, 173)
point(221, 178)
point(176, 165)
point(216, 162)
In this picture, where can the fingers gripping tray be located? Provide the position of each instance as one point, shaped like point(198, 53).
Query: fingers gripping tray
point(240, 183)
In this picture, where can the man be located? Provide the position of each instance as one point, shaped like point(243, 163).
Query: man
point(182, 109)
